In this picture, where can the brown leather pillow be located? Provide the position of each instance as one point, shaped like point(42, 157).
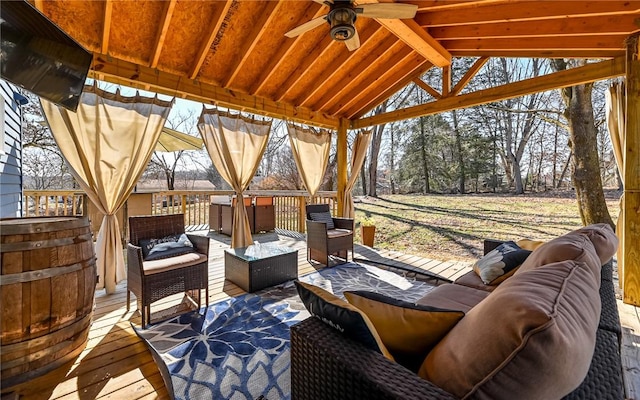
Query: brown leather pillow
point(572, 246)
point(603, 238)
point(532, 338)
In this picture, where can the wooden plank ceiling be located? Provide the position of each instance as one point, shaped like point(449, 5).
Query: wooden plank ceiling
point(235, 53)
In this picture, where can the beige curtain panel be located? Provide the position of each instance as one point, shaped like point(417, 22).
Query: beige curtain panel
point(615, 102)
point(235, 144)
point(107, 144)
point(310, 149)
point(358, 154)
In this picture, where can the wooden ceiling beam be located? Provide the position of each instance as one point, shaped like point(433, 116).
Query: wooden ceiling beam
point(385, 74)
point(163, 28)
point(369, 66)
point(106, 26)
point(590, 26)
point(137, 76)
point(424, 86)
point(576, 76)
point(480, 62)
point(602, 42)
point(364, 58)
point(369, 102)
point(286, 49)
point(432, 5)
point(214, 28)
point(525, 11)
point(39, 4)
point(533, 53)
point(446, 81)
point(418, 39)
point(307, 63)
point(415, 37)
point(267, 16)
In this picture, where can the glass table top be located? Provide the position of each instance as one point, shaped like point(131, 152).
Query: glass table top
point(260, 251)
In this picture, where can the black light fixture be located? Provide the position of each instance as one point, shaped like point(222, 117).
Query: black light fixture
point(341, 19)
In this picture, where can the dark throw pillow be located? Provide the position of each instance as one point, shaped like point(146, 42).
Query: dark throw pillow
point(405, 328)
point(168, 246)
point(171, 252)
point(323, 217)
point(341, 315)
point(500, 261)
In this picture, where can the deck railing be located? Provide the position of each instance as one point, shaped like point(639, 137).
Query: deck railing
point(289, 205)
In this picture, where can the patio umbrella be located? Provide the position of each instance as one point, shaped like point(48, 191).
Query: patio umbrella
point(172, 140)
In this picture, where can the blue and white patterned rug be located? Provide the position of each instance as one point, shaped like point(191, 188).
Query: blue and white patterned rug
point(239, 349)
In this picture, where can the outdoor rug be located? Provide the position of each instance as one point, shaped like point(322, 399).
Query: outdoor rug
point(239, 348)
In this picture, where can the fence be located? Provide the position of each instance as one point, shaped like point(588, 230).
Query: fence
point(289, 205)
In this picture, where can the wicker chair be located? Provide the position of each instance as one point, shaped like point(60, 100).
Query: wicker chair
point(153, 280)
point(322, 242)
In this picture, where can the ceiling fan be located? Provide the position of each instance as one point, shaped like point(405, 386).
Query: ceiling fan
point(342, 16)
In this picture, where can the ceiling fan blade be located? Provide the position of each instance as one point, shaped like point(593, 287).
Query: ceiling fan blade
point(307, 26)
point(353, 43)
point(388, 10)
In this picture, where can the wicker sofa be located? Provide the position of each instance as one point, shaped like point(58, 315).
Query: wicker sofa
point(328, 365)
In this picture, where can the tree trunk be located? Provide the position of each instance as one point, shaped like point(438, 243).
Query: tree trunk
point(423, 154)
point(462, 174)
point(583, 138)
point(565, 168)
point(373, 161)
point(376, 142)
point(392, 162)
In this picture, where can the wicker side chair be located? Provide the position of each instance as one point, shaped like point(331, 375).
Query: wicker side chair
point(323, 242)
point(153, 280)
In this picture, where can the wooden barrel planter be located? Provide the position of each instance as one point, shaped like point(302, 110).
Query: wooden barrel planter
point(47, 285)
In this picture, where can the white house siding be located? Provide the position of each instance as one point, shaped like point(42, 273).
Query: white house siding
point(11, 154)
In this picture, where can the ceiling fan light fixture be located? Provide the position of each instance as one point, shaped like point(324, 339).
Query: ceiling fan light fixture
point(341, 20)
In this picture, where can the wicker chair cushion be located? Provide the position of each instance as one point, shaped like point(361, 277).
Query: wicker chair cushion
point(500, 261)
point(168, 264)
point(333, 233)
point(534, 336)
point(323, 217)
point(406, 329)
point(341, 315)
point(454, 297)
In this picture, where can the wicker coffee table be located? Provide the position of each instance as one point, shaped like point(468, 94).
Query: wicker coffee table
point(275, 264)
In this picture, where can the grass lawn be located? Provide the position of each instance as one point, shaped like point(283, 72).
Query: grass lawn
point(452, 227)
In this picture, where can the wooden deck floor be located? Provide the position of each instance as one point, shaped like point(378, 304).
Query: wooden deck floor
point(117, 365)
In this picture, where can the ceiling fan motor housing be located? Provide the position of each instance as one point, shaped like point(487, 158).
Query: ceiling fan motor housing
point(341, 18)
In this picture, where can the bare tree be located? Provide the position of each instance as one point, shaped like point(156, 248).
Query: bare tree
point(165, 163)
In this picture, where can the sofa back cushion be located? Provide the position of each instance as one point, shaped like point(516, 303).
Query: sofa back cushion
point(342, 316)
point(533, 337)
point(604, 240)
point(572, 246)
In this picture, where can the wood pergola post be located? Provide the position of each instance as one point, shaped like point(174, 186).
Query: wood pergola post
point(341, 156)
point(631, 205)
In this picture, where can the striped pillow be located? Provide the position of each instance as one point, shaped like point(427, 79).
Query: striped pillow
point(323, 217)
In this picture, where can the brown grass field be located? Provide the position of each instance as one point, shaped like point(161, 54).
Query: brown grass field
point(452, 227)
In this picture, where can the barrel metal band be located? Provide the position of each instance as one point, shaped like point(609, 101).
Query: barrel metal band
point(42, 227)
point(29, 276)
point(43, 244)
